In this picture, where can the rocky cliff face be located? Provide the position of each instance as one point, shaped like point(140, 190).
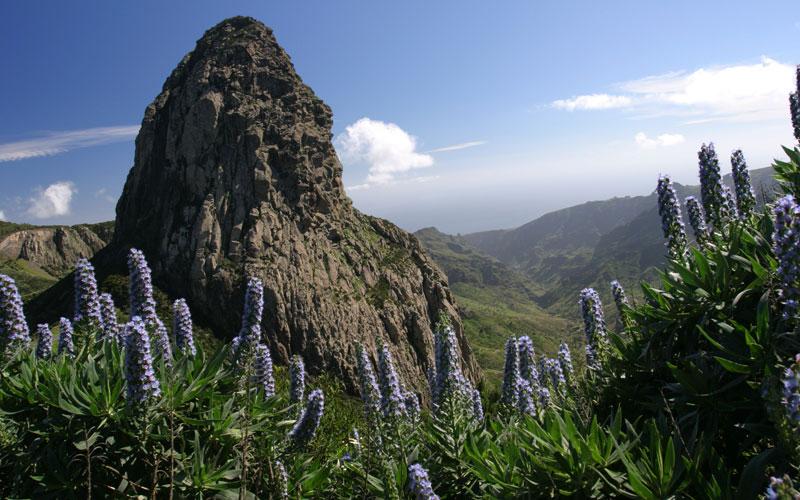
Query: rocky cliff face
point(235, 176)
point(54, 249)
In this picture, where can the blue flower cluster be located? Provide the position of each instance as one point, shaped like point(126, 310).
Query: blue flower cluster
point(565, 359)
point(448, 382)
point(303, 431)
point(282, 479)
point(250, 334)
point(786, 240)
point(781, 489)
point(794, 106)
point(13, 327)
point(370, 394)
point(791, 393)
point(182, 326)
point(44, 348)
point(671, 220)
point(527, 355)
point(392, 404)
point(65, 344)
point(728, 209)
point(620, 299)
point(161, 337)
point(697, 220)
point(141, 289)
point(420, 484)
point(111, 329)
point(509, 395)
point(297, 379)
point(263, 377)
point(711, 192)
point(745, 199)
point(557, 379)
point(594, 325)
point(142, 382)
point(411, 405)
point(87, 303)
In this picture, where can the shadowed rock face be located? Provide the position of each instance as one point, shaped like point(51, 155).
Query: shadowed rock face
point(56, 249)
point(235, 176)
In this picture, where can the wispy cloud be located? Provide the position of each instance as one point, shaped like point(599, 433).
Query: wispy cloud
point(2, 215)
point(52, 143)
point(661, 141)
point(593, 101)
point(385, 147)
point(53, 200)
point(102, 193)
point(412, 180)
point(733, 93)
point(457, 146)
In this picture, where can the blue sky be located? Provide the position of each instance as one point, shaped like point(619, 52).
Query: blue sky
point(461, 115)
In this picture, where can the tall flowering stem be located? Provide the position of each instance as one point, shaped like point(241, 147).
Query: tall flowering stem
point(511, 375)
point(745, 199)
point(303, 431)
point(711, 192)
point(162, 343)
point(87, 302)
point(263, 377)
point(111, 328)
point(142, 382)
point(791, 394)
point(786, 241)
point(13, 327)
point(184, 337)
point(527, 357)
point(297, 379)
point(420, 484)
point(141, 288)
point(671, 220)
point(370, 394)
point(594, 326)
point(449, 382)
point(565, 360)
point(250, 334)
point(44, 348)
point(556, 375)
point(697, 220)
point(65, 344)
point(794, 106)
point(392, 405)
point(282, 479)
point(620, 299)
point(728, 209)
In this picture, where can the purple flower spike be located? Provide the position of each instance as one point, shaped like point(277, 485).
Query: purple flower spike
point(477, 406)
point(565, 360)
point(297, 380)
point(671, 220)
point(262, 367)
point(65, 345)
point(449, 382)
point(111, 329)
point(142, 382)
point(526, 398)
point(370, 394)
point(411, 404)
point(745, 199)
point(697, 220)
point(786, 241)
point(420, 484)
point(250, 334)
point(184, 337)
point(303, 431)
point(87, 303)
point(141, 288)
point(392, 405)
point(594, 326)
point(13, 327)
point(283, 480)
point(794, 107)
point(620, 299)
point(527, 356)
point(162, 343)
point(511, 375)
point(44, 348)
point(728, 209)
point(711, 192)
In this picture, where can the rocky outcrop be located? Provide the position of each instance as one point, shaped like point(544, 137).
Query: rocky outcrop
point(54, 249)
point(235, 175)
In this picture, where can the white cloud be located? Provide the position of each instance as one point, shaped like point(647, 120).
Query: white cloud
point(60, 142)
point(661, 141)
point(2, 215)
point(593, 101)
point(385, 147)
point(458, 146)
point(101, 193)
point(53, 200)
point(734, 93)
